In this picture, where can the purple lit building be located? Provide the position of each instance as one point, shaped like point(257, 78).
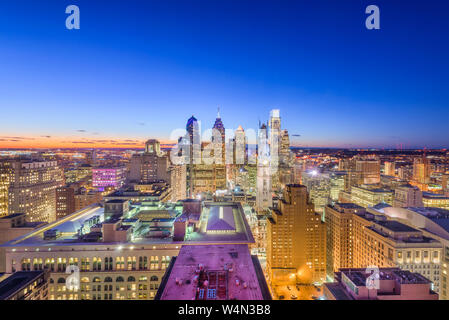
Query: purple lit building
point(108, 177)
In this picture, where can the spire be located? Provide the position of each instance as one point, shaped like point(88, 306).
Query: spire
point(218, 113)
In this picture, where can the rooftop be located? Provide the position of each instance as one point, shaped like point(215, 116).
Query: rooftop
point(16, 282)
point(232, 222)
point(214, 272)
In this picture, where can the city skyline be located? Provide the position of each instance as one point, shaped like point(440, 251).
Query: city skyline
point(112, 82)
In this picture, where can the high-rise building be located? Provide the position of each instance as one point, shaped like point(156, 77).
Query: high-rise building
point(389, 168)
point(178, 175)
point(340, 236)
point(150, 166)
point(219, 144)
point(369, 169)
point(296, 240)
point(337, 184)
point(318, 187)
point(408, 196)
point(421, 170)
point(264, 193)
point(65, 201)
point(30, 187)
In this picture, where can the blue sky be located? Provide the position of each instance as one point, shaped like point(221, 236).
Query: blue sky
point(139, 69)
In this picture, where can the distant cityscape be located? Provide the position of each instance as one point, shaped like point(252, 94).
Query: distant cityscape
point(306, 224)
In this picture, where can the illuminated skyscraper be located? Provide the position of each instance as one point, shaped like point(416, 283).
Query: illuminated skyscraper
point(389, 168)
point(369, 169)
point(219, 143)
point(30, 187)
point(340, 236)
point(296, 240)
point(264, 193)
point(421, 170)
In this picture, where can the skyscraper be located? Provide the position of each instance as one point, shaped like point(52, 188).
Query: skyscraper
point(219, 144)
point(30, 187)
point(264, 193)
point(296, 239)
point(389, 168)
point(421, 170)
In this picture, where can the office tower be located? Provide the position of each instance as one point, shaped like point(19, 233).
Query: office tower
point(394, 284)
point(193, 143)
point(389, 168)
point(150, 166)
point(318, 187)
point(284, 151)
point(219, 145)
point(113, 177)
point(65, 201)
point(232, 274)
point(285, 169)
point(30, 187)
point(405, 173)
point(337, 184)
point(408, 196)
point(274, 135)
point(340, 236)
point(264, 194)
point(178, 182)
point(421, 170)
point(369, 169)
point(239, 147)
point(296, 240)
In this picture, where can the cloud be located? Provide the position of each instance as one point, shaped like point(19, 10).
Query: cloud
point(17, 138)
point(81, 130)
point(141, 123)
point(46, 136)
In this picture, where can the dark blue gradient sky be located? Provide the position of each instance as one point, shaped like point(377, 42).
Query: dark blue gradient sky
point(139, 69)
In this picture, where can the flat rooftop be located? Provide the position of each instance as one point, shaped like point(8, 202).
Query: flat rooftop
point(68, 227)
point(214, 272)
point(359, 276)
point(16, 282)
point(395, 226)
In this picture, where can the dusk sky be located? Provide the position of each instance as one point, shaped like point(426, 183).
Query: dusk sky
point(139, 69)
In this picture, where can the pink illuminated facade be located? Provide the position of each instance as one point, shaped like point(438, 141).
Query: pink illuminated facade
point(108, 177)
